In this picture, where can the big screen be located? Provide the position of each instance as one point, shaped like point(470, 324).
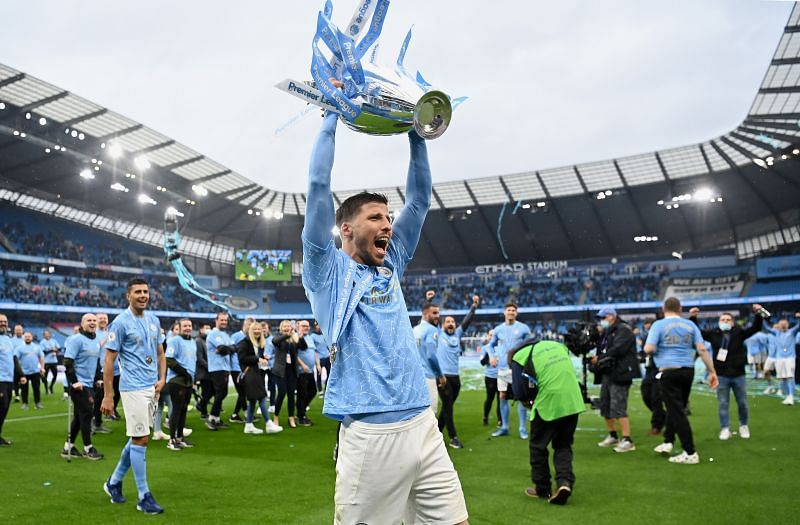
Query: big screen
point(263, 265)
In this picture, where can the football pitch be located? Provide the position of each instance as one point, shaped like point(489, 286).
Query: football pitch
point(288, 478)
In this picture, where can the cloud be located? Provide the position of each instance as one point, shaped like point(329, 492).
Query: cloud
point(550, 84)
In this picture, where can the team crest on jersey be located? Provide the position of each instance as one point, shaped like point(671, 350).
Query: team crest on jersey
point(152, 328)
point(384, 271)
point(149, 360)
point(111, 336)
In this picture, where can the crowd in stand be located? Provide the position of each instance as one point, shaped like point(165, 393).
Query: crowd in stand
point(52, 244)
point(36, 289)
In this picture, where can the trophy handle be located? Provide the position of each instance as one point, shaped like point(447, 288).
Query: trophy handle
point(432, 115)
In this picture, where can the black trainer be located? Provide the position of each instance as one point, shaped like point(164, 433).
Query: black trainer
point(4, 442)
point(534, 492)
point(93, 454)
point(561, 496)
point(72, 453)
point(304, 421)
point(456, 443)
point(236, 418)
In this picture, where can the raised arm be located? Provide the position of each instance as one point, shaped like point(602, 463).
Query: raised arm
point(408, 225)
point(319, 209)
point(468, 318)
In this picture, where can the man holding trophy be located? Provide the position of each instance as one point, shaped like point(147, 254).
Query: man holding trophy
point(392, 464)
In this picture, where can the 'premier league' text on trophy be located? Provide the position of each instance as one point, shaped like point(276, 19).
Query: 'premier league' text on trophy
point(372, 99)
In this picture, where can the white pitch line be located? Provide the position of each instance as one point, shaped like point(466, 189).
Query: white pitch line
point(33, 418)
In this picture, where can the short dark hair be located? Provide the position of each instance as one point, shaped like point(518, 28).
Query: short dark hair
point(223, 312)
point(427, 306)
point(649, 320)
point(673, 305)
point(511, 304)
point(133, 281)
point(728, 314)
point(352, 204)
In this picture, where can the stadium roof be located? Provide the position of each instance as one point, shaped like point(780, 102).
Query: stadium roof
point(49, 136)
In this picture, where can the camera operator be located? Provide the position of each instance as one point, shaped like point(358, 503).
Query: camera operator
point(730, 357)
point(617, 364)
point(555, 402)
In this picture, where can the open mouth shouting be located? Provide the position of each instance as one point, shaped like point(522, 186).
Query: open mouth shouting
point(382, 244)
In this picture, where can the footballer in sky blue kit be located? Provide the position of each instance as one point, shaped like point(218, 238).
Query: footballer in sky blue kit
point(505, 337)
point(135, 338)
point(377, 385)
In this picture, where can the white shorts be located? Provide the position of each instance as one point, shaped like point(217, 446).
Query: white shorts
point(433, 393)
point(756, 359)
point(784, 367)
point(503, 379)
point(769, 363)
point(397, 472)
point(139, 406)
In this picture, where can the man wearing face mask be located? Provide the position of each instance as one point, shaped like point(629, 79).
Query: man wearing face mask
point(618, 364)
point(729, 353)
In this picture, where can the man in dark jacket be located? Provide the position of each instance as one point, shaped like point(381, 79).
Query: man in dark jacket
point(617, 363)
point(201, 375)
point(729, 354)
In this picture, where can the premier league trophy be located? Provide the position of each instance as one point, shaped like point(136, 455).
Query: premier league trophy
point(369, 98)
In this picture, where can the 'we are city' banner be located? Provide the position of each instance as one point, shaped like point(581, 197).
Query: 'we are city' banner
point(771, 267)
point(706, 287)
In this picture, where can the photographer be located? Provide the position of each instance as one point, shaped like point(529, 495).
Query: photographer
point(617, 364)
point(556, 401)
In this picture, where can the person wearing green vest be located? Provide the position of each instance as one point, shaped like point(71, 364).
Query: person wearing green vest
point(556, 403)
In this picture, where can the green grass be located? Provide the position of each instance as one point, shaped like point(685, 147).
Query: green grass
point(288, 478)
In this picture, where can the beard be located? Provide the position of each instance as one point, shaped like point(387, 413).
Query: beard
point(363, 251)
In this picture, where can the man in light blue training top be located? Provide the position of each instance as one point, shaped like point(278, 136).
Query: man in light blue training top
point(504, 338)
point(50, 348)
point(219, 347)
point(673, 342)
point(31, 358)
point(448, 351)
point(392, 464)
point(135, 337)
point(426, 334)
point(236, 373)
point(323, 354)
point(783, 360)
point(181, 358)
point(82, 364)
point(9, 370)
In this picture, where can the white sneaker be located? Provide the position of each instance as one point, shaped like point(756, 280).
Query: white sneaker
point(685, 459)
point(608, 441)
point(187, 432)
point(272, 428)
point(159, 436)
point(250, 428)
point(789, 400)
point(625, 445)
point(744, 432)
point(725, 434)
point(769, 390)
point(664, 448)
